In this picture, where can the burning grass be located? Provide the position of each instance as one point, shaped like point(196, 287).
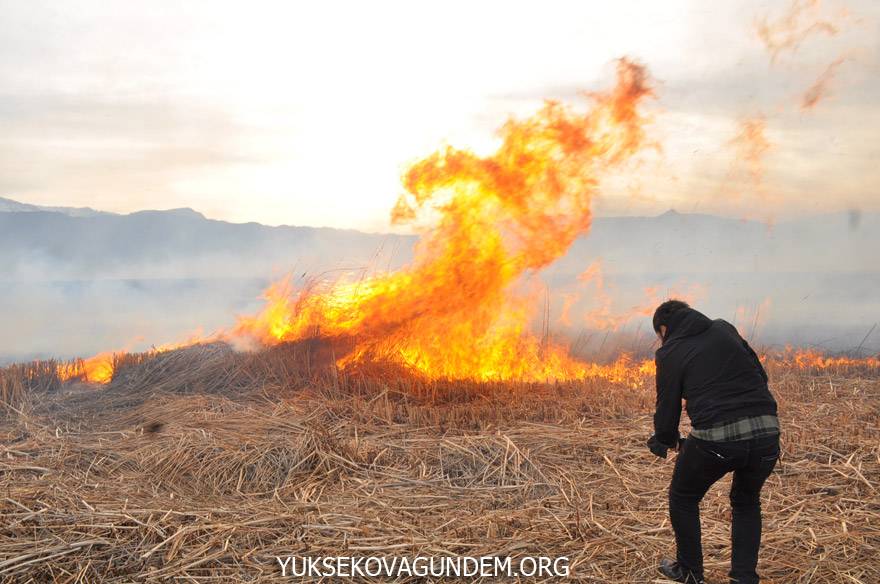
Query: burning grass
point(203, 464)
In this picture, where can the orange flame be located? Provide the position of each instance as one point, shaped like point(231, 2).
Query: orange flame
point(96, 369)
point(101, 367)
point(455, 312)
point(605, 317)
point(812, 359)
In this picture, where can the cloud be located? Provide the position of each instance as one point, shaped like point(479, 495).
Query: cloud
point(308, 119)
point(99, 146)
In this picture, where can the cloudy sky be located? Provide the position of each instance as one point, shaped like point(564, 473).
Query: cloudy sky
point(307, 113)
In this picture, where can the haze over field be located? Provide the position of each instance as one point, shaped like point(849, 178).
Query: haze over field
point(79, 281)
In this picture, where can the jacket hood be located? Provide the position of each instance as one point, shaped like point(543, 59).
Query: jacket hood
point(686, 323)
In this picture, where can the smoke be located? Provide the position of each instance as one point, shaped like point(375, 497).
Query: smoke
point(74, 286)
point(603, 305)
point(818, 273)
point(459, 310)
point(751, 145)
point(72, 318)
point(820, 89)
point(800, 22)
point(786, 33)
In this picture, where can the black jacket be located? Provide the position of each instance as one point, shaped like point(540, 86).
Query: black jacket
point(708, 364)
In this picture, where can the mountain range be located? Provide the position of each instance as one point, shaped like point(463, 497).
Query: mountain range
point(77, 280)
point(63, 243)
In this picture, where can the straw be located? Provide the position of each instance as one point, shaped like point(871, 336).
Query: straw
point(204, 464)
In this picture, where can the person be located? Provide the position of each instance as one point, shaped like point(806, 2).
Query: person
point(734, 429)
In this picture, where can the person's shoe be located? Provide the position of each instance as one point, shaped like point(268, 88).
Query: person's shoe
point(672, 570)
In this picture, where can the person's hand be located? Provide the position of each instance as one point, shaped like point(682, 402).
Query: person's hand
point(657, 447)
point(679, 443)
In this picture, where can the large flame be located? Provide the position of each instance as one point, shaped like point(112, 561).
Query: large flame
point(458, 311)
point(462, 309)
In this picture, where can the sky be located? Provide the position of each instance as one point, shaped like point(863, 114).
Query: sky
point(307, 113)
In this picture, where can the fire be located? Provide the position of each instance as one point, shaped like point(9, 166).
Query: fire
point(459, 311)
point(463, 308)
point(605, 316)
point(813, 359)
point(101, 367)
point(96, 369)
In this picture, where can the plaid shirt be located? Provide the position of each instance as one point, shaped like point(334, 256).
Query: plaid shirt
point(742, 429)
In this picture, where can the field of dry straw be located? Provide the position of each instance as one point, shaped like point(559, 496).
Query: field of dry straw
point(202, 465)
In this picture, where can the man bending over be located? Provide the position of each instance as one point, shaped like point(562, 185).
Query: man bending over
point(735, 429)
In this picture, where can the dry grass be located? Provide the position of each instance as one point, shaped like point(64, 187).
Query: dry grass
point(203, 465)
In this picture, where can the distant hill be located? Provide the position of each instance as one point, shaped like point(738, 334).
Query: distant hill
point(693, 243)
point(75, 281)
point(10, 206)
point(66, 243)
point(179, 243)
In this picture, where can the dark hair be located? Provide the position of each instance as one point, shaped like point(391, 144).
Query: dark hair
point(666, 310)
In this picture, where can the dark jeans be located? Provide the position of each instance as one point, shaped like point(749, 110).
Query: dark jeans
point(699, 465)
